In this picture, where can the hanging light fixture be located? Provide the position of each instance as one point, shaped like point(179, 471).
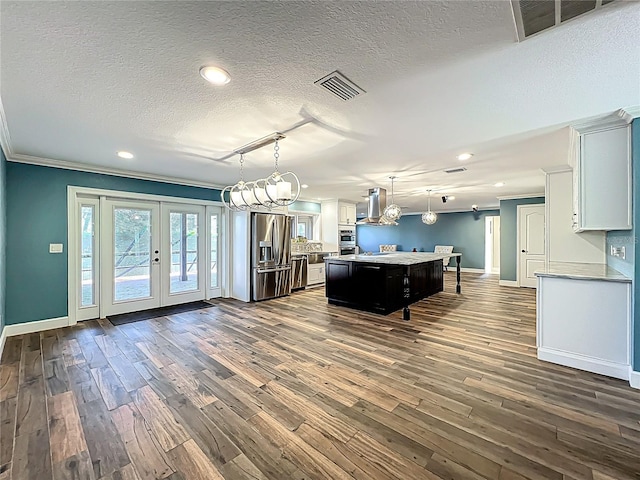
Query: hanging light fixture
point(277, 190)
point(281, 189)
point(429, 217)
point(238, 194)
point(393, 211)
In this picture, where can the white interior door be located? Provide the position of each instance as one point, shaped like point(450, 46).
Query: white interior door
point(130, 256)
point(531, 251)
point(183, 259)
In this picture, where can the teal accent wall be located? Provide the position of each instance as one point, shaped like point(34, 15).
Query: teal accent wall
point(509, 235)
point(3, 235)
point(305, 206)
point(464, 230)
point(36, 199)
point(635, 152)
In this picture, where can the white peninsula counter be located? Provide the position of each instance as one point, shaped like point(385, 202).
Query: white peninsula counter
point(584, 318)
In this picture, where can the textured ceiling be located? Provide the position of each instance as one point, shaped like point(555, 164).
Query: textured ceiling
point(81, 80)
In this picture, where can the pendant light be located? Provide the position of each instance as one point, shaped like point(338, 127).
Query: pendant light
point(393, 211)
point(281, 189)
point(238, 194)
point(277, 190)
point(429, 217)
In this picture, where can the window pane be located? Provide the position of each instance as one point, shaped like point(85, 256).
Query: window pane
point(87, 260)
point(214, 250)
point(132, 254)
point(184, 252)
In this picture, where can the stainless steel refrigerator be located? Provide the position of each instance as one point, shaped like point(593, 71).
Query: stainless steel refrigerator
point(270, 256)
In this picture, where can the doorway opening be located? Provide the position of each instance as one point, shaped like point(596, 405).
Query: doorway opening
point(134, 252)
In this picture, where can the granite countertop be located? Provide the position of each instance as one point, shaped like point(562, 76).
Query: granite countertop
point(582, 271)
point(396, 258)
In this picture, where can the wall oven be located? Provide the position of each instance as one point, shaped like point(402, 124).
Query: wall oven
point(349, 250)
point(347, 237)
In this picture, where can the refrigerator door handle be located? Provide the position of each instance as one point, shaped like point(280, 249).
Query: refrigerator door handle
point(276, 269)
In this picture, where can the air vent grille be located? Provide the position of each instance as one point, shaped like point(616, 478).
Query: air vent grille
point(340, 86)
point(455, 170)
point(535, 16)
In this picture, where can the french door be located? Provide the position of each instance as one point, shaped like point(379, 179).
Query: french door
point(136, 255)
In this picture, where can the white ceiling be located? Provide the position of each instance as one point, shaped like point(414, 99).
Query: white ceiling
point(81, 80)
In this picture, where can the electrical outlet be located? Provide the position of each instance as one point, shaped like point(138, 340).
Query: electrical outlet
point(55, 248)
point(617, 252)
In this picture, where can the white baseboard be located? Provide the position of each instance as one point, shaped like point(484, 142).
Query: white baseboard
point(508, 283)
point(468, 270)
point(634, 378)
point(588, 364)
point(37, 326)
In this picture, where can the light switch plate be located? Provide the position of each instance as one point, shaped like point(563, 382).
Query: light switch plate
point(617, 252)
point(55, 248)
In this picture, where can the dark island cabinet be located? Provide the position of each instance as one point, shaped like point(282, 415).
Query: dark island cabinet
point(378, 287)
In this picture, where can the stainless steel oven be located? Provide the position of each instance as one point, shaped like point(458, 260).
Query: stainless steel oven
point(349, 250)
point(347, 236)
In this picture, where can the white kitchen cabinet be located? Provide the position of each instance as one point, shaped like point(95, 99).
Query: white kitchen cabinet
point(585, 323)
point(315, 274)
point(602, 190)
point(333, 214)
point(347, 213)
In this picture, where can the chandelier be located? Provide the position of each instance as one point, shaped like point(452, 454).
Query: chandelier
point(393, 211)
point(277, 190)
point(429, 217)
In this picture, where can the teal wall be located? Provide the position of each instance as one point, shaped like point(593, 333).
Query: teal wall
point(509, 235)
point(635, 151)
point(464, 230)
point(36, 199)
point(3, 234)
point(305, 206)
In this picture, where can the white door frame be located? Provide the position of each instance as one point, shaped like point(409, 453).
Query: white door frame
point(520, 240)
point(74, 192)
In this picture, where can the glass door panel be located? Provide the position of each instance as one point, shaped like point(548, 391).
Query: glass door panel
point(184, 252)
point(214, 241)
point(183, 247)
point(132, 231)
point(87, 259)
point(132, 254)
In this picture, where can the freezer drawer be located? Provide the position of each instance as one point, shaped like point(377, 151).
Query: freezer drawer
point(271, 283)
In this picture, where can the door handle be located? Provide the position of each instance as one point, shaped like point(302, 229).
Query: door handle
point(524, 251)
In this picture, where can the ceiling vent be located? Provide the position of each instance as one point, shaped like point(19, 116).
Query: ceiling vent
point(340, 86)
point(455, 170)
point(535, 16)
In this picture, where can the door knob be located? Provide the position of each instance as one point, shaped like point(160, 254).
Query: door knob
point(524, 251)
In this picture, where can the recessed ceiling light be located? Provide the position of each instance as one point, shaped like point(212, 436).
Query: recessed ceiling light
point(215, 75)
point(465, 156)
point(499, 184)
point(304, 185)
point(127, 155)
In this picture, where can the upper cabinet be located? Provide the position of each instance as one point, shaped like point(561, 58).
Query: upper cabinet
point(602, 178)
point(347, 213)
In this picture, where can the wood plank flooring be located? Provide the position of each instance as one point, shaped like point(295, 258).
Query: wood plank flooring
point(294, 388)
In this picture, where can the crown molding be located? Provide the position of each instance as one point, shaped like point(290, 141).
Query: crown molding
point(517, 197)
point(621, 117)
point(83, 167)
point(5, 136)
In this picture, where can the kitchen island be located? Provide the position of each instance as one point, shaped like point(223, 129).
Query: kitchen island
point(385, 282)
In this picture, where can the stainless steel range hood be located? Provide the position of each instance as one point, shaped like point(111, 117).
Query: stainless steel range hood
point(377, 204)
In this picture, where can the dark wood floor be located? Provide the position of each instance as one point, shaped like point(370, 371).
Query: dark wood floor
point(297, 389)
